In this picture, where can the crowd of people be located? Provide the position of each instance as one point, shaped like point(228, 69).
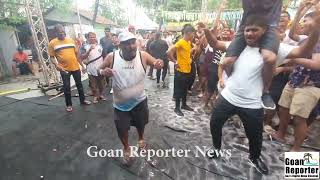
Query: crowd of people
point(267, 67)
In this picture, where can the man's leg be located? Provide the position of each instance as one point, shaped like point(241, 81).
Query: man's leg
point(269, 58)
point(165, 69)
point(94, 88)
point(151, 72)
point(184, 85)
point(178, 92)
point(300, 132)
point(122, 121)
point(284, 116)
point(304, 101)
point(30, 68)
point(220, 114)
point(158, 75)
point(77, 78)
point(140, 116)
point(66, 88)
point(101, 86)
point(269, 49)
point(253, 124)
point(14, 70)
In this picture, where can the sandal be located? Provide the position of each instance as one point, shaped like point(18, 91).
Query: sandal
point(69, 109)
point(126, 157)
point(142, 145)
point(274, 137)
point(86, 102)
point(95, 100)
point(103, 98)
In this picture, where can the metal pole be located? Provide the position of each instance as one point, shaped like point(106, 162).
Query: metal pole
point(79, 18)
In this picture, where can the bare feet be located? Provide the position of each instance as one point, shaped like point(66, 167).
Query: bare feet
point(278, 138)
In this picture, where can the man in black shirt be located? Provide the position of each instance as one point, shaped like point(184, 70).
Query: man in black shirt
point(158, 49)
point(106, 43)
point(151, 38)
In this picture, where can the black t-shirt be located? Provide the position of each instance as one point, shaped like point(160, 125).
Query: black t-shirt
point(215, 61)
point(271, 9)
point(158, 49)
point(148, 45)
point(107, 46)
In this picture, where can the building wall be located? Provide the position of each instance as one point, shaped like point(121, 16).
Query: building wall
point(8, 45)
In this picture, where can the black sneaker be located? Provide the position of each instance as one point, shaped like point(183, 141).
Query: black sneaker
point(178, 112)
point(212, 153)
point(259, 165)
point(267, 102)
point(186, 107)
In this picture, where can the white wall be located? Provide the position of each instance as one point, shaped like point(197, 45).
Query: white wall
point(8, 46)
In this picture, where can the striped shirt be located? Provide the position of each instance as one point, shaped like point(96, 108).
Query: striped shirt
point(66, 53)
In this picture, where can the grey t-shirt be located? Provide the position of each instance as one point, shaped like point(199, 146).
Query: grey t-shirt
point(271, 9)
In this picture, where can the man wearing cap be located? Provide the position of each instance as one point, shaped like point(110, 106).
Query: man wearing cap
point(127, 67)
point(20, 59)
point(106, 42)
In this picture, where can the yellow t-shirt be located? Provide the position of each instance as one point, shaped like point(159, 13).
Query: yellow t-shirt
point(65, 52)
point(184, 56)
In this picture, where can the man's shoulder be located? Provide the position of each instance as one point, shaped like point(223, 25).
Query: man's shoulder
point(52, 41)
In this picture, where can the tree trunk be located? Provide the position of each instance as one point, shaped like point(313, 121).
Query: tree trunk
point(95, 13)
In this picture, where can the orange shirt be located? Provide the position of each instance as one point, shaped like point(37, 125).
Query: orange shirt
point(20, 57)
point(65, 51)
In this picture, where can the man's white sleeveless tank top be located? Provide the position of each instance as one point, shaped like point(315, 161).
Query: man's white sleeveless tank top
point(128, 82)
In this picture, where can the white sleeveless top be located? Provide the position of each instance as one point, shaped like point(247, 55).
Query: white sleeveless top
point(128, 82)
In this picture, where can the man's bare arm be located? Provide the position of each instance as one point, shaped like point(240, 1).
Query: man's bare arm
point(313, 64)
point(107, 62)
point(214, 42)
point(151, 61)
point(306, 47)
point(171, 52)
point(303, 8)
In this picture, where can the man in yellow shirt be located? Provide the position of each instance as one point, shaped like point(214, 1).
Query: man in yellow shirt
point(182, 50)
point(64, 55)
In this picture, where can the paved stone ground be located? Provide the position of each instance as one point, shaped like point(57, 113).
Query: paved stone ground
point(38, 138)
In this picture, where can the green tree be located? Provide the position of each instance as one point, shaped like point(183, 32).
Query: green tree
point(232, 4)
point(113, 11)
point(12, 12)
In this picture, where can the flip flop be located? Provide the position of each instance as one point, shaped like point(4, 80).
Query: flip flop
point(142, 145)
point(86, 102)
point(95, 100)
point(103, 98)
point(126, 158)
point(69, 109)
point(276, 139)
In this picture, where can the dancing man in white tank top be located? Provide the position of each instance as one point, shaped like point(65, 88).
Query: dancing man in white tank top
point(127, 67)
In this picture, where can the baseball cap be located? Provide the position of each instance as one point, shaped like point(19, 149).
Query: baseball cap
point(125, 36)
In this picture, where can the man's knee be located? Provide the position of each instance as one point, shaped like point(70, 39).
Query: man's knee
point(228, 61)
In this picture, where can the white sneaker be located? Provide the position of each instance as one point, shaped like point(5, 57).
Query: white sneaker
point(111, 91)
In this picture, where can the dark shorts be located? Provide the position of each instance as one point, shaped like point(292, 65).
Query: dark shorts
point(278, 83)
point(269, 41)
point(212, 81)
point(138, 117)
